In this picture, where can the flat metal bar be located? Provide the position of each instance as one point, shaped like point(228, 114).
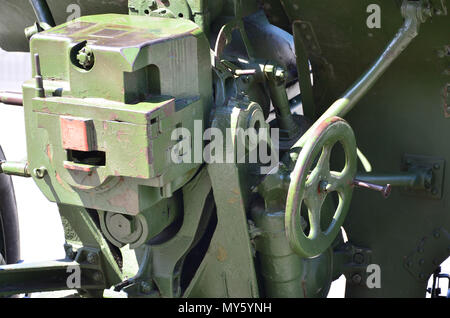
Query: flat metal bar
point(304, 73)
point(11, 98)
point(44, 276)
point(352, 96)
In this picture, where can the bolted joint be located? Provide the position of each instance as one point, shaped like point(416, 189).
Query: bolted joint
point(121, 226)
point(276, 73)
point(40, 172)
point(86, 57)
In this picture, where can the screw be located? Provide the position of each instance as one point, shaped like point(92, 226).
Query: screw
point(436, 234)
point(91, 258)
point(436, 166)
point(86, 57)
point(358, 258)
point(409, 263)
point(280, 74)
point(357, 279)
point(434, 191)
point(97, 276)
point(40, 172)
point(421, 262)
point(323, 186)
point(146, 288)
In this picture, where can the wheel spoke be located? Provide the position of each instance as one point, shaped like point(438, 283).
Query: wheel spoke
point(324, 161)
point(314, 205)
point(338, 181)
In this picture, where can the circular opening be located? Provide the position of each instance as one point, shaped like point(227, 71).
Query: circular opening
point(146, 11)
point(305, 222)
point(180, 15)
point(337, 158)
point(328, 210)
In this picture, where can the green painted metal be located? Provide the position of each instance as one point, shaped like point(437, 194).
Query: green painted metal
point(126, 82)
point(20, 169)
point(128, 124)
point(313, 187)
point(413, 15)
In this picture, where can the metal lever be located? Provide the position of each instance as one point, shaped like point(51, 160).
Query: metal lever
point(385, 190)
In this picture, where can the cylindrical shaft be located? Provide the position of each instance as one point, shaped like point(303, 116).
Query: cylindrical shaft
point(396, 180)
point(42, 11)
point(15, 168)
point(384, 190)
point(11, 98)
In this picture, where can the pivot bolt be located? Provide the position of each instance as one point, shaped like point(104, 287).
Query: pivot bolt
point(146, 288)
point(91, 258)
point(356, 279)
point(40, 172)
point(358, 258)
point(86, 58)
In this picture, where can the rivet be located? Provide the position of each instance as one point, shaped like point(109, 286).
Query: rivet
point(357, 278)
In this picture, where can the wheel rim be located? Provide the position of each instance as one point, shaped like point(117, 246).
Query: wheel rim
point(311, 186)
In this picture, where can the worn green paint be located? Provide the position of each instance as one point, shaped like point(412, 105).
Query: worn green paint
point(313, 187)
point(393, 105)
point(131, 126)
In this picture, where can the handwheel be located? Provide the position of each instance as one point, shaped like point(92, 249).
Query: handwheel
point(310, 186)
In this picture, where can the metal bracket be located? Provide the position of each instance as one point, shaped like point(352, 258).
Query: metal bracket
point(418, 262)
point(435, 166)
point(308, 37)
point(55, 275)
point(352, 262)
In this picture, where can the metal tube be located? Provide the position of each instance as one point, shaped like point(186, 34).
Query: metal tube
point(42, 11)
point(395, 180)
point(13, 168)
point(403, 38)
point(11, 98)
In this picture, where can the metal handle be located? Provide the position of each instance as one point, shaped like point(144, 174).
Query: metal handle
point(385, 190)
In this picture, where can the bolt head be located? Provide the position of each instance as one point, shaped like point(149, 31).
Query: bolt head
point(358, 258)
point(146, 288)
point(86, 57)
point(91, 258)
point(357, 279)
point(120, 226)
point(280, 74)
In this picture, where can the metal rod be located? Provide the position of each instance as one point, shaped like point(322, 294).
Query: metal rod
point(403, 38)
point(396, 180)
point(11, 98)
point(42, 12)
point(40, 92)
point(385, 190)
point(13, 168)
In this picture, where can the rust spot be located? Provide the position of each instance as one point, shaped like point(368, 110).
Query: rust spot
point(49, 153)
point(76, 133)
point(58, 178)
point(221, 254)
point(129, 200)
point(77, 167)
